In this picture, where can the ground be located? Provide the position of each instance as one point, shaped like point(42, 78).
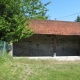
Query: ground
point(27, 69)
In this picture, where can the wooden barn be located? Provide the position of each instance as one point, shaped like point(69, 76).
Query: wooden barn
point(51, 38)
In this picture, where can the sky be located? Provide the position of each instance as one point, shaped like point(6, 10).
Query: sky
point(58, 9)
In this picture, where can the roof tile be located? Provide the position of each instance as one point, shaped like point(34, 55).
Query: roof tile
point(55, 27)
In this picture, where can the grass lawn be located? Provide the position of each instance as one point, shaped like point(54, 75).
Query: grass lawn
point(25, 69)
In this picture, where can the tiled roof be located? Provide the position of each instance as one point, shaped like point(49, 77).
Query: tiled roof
point(55, 27)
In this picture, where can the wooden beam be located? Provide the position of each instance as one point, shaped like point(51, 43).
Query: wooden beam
point(54, 46)
point(79, 47)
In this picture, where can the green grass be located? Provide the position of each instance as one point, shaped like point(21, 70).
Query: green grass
point(25, 69)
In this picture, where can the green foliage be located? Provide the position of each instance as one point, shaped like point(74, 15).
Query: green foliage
point(13, 15)
point(78, 19)
point(4, 58)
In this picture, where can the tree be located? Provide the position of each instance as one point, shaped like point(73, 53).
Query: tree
point(15, 16)
point(78, 19)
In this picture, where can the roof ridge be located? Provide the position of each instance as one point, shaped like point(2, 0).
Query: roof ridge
point(55, 21)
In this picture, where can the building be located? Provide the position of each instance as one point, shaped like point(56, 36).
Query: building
point(51, 38)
